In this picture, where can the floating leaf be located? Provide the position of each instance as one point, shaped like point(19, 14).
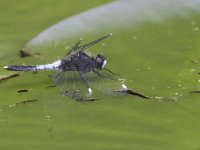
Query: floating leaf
point(154, 44)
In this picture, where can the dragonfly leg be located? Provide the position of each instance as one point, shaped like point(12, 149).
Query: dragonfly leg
point(108, 70)
point(56, 78)
point(102, 75)
point(50, 86)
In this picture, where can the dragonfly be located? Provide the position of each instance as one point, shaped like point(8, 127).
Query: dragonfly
point(78, 73)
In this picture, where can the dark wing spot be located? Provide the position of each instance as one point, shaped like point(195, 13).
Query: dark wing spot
point(22, 91)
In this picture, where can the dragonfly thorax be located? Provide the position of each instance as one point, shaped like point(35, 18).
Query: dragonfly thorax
point(77, 62)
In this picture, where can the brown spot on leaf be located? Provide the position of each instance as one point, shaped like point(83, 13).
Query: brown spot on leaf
point(22, 91)
point(89, 99)
point(28, 101)
point(51, 86)
point(24, 53)
point(23, 102)
point(134, 93)
point(195, 91)
point(9, 76)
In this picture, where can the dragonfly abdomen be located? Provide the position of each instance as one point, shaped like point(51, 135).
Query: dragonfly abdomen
point(53, 66)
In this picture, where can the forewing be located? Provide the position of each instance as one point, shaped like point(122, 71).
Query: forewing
point(72, 85)
point(76, 48)
point(86, 46)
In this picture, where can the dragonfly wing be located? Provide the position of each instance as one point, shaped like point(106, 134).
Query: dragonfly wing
point(72, 85)
point(76, 48)
point(86, 46)
point(106, 82)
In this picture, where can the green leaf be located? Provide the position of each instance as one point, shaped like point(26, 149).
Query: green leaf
point(155, 44)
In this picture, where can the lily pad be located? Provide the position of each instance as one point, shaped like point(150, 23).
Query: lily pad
point(155, 44)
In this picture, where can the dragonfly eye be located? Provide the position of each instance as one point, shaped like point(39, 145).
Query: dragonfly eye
point(100, 61)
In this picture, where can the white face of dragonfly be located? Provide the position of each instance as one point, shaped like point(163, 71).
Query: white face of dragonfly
point(104, 63)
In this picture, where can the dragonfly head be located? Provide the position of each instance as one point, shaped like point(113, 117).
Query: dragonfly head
point(100, 61)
